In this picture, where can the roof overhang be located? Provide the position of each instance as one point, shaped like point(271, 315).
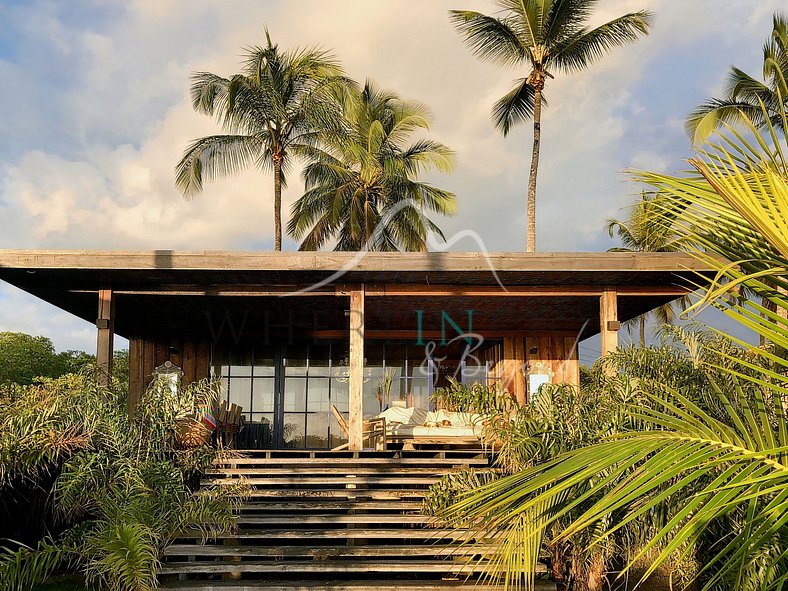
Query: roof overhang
point(164, 292)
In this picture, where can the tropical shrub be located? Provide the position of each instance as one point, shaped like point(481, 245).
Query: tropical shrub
point(617, 398)
point(117, 490)
point(700, 467)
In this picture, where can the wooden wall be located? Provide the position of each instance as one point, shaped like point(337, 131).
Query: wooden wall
point(145, 355)
point(559, 353)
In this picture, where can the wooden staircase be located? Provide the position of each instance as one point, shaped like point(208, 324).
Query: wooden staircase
point(331, 521)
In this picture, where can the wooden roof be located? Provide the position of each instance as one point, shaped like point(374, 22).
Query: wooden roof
point(163, 291)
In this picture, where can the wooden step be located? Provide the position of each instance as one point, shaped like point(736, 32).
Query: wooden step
point(317, 494)
point(446, 462)
point(424, 533)
point(319, 566)
point(365, 585)
point(333, 519)
point(339, 471)
point(323, 480)
point(324, 551)
point(321, 504)
point(365, 454)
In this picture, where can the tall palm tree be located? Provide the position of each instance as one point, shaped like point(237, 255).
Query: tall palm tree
point(744, 94)
point(645, 231)
point(271, 112)
point(544, 36)
point(361, 186)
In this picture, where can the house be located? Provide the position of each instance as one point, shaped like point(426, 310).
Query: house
point(292, 333)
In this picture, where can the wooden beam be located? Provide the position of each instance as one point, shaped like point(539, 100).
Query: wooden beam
point(402, 290)
point(420, 262)
point(356, 371)
point(608, 320)
point(485, 291)
point(105, 324)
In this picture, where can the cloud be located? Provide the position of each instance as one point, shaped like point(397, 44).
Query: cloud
point(100, 115)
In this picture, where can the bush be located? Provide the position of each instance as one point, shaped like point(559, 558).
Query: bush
point(118, 490)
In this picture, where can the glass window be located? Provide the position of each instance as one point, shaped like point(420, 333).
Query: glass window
point(240, 362)
point(317, 429)
point(339, 394)
point(474, 374)
point(319, 357)
point(240, 393)
point(317, 394)
point(420, 393)
point(295, 395)
point(294, 430)
point(263, 394)
point(295, 361)
point(396, 363)
point(338, 436)
point(264, 362)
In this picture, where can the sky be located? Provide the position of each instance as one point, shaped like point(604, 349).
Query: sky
point(95, 115)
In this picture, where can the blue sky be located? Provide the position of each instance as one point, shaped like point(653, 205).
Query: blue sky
point(96, 114)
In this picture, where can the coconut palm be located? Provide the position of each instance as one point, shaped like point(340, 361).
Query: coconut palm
point(545, 36)
point(646, 231)
point(271, 112)
point(744, 94)
point(361, 185)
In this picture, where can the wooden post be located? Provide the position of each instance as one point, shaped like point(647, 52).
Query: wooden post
point(356, 369)
point(608, 320)
point(105, 323)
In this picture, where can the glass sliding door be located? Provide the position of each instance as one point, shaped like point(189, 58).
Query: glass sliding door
point(310, 388)
point(286, 392)
point(249, 380)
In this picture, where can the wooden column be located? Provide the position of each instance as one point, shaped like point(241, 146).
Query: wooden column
point(356, 369)
point(105, 323)
point(608, 320)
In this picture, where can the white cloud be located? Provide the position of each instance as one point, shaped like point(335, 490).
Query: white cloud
point(94, 151)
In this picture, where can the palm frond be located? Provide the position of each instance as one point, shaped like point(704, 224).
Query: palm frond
point(586, 46)
point(490, 38)
point(517, 106)
point(212, 157)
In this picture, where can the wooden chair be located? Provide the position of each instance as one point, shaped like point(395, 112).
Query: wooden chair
point(228, 423)
point(373, 431)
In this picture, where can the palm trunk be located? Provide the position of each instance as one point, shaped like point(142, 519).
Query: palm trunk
point(277, 203)
point(642, 330)
point(530, 245)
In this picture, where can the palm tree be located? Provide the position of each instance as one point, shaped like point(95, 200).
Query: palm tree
point(645, 231)
point(545, 36)
point(271, 112)
point(361, 185)
point(744, 94)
